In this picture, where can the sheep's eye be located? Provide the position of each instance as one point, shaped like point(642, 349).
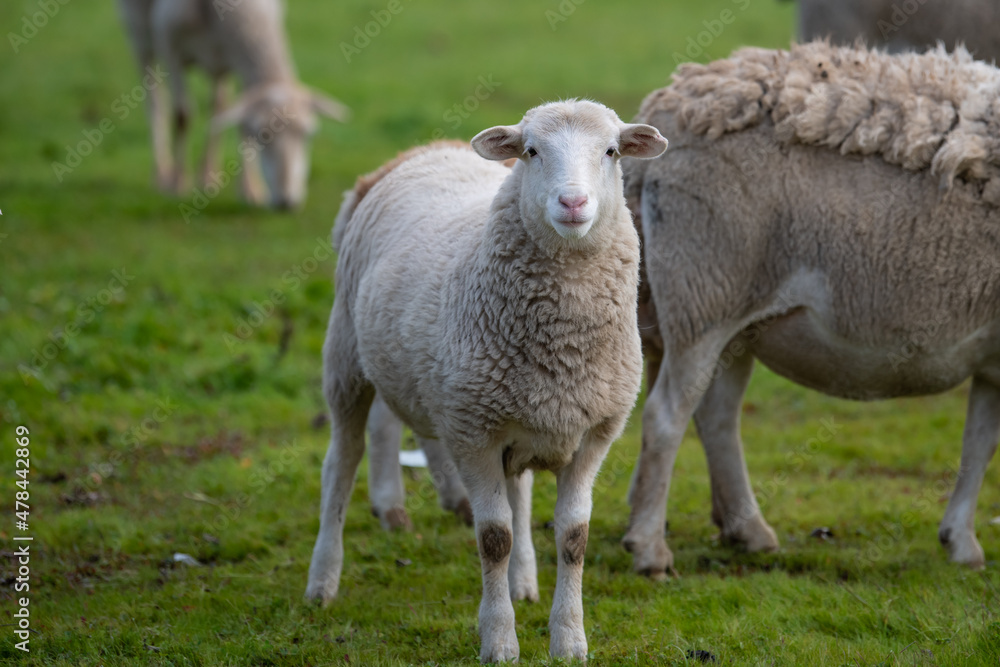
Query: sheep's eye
point(610, 152)
point(531, 152)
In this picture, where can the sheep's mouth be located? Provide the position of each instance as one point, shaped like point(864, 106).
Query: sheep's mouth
point(572, 228)
point(573, 219)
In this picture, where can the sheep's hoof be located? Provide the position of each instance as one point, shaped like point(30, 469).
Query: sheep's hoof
point(501, 652)
point(322, 592)
point(464, 512)
point(396, 518)
point(963, 548)
point(651, 558)
point(524, 590)
point(568, 645)
point(754, 535)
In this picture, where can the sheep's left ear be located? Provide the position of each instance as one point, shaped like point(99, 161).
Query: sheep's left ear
point(642, 141)
point(329, 107)
point(499, 143)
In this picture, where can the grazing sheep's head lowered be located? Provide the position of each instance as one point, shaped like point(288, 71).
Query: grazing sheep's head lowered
point(282, 118)
point(568, 153)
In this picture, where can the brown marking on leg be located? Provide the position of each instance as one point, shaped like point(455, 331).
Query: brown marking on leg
point(495, 542)
point(575, 544)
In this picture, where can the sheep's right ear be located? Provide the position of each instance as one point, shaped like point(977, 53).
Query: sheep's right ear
point(499, 143)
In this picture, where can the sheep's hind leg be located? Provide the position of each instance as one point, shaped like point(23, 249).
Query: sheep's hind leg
point(484, 478)
point(574, 501)
point(979, 441)
point(523, 573)
point(385, 479)
point(349, 396)
point(451, 492)
point(734, 507)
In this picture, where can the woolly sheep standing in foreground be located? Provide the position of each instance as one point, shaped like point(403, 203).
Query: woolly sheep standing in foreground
point(276, 113)
point(834, 213)
point(493, 309)
point(905, 25)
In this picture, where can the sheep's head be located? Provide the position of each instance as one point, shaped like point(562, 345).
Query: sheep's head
point(570, 176)
point(279, 120)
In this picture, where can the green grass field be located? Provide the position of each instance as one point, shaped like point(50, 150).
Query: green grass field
point(167, 415)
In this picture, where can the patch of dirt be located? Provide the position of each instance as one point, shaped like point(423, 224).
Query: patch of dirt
point(222, 443)
point(879, 470)
point(81, 497)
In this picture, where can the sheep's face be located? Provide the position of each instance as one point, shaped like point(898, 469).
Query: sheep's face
point(277, 122)
point(570, 177)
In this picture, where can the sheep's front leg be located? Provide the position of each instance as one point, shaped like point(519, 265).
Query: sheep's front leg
point(159, 121)
point(211, 156)
point(181, 122)
point(523, 573)
point(482, 473)
point(669, 406)
point(251, 188)
point(574, 488)
point(979, 441)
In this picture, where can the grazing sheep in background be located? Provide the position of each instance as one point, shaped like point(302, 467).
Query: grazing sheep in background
point(905, 26)
point(493, 309)
point(276, 114)
point(833, 212)
point(385, 480)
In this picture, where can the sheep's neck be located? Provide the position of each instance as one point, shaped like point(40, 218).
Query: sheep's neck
point(263, 50)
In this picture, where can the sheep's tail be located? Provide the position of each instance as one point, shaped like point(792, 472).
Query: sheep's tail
point(343, 215)
point(366, 182)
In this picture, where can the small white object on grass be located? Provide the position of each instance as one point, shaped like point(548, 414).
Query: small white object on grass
point(186, 560)
point(412, 458)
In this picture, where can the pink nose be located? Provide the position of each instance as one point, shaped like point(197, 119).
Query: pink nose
point(573, 202)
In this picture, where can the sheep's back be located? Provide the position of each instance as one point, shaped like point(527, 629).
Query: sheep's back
point(405, 240)
point(728, 222)
point(934, 111)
